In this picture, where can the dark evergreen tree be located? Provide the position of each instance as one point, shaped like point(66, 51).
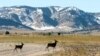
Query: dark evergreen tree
point(59, 33)
point(7, 32)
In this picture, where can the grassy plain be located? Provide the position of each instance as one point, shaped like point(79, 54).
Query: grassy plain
point(39, 38)
point(70, 45)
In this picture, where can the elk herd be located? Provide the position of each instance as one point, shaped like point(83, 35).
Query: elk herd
point(52, 45)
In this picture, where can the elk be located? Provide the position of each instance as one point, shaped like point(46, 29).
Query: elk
point(19, 46)
point(53, 45)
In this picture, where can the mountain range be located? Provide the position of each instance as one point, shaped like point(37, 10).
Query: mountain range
point(48, 18)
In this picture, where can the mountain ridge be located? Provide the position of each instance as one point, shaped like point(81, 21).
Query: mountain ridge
point(53, 17)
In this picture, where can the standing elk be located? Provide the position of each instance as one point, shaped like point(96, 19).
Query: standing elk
point(53, 45)
point(19, 46)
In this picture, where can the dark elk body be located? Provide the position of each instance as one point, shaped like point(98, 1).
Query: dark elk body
point(19, 46)
point(53, 45)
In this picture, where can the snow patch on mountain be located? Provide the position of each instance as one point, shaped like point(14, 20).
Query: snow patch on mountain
point(72, 8)
point(39, 11)
point(58, 8)
point(98, 20)
point(43, 28)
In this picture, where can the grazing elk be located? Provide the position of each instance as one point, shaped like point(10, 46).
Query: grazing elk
point(53, 45)
point(19, 46)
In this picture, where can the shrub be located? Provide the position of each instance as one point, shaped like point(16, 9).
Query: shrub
point(7, 32)
point(59, 33)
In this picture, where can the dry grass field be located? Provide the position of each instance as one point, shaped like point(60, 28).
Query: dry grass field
point(68, 45)
point(39, 38)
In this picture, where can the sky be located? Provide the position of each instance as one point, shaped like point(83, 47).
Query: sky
point(86, 5)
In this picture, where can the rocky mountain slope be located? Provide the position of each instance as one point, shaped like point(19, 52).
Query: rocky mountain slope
point(44, 18)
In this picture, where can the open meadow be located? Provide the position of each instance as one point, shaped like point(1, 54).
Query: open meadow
point(35, 45)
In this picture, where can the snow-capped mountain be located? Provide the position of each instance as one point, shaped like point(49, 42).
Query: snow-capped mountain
point(43, 18)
